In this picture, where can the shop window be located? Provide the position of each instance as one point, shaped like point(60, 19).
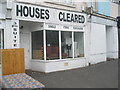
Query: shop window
point(66, 38)
point(52, 45)
point(37, 45)
point(78, 44)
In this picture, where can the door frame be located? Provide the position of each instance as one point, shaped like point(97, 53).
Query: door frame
point(1, 39)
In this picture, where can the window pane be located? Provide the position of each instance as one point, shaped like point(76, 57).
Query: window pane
point(52, 45)
point(78, 44)
point(66, 44)
point(37, 45)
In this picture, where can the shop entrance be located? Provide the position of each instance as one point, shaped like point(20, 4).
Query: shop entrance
point(25, 39)
point(111, 42)
point(1, 39)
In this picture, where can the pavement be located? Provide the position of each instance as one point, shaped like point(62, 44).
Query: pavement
point(102, 75)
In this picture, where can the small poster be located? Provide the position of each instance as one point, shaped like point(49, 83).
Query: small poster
point(15, 34)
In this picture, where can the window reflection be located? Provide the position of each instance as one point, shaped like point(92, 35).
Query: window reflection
point(52, 45)
point(37, 45)
point(78, 44)
point(66, 44)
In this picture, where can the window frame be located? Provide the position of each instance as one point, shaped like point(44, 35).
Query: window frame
point(60, 45)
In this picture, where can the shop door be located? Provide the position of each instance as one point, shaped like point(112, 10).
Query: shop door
point(1, 39)
point(25, 43)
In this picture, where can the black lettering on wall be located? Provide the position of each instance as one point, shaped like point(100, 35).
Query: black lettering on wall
point(65, 19)
point(15, 40)
point(14, 45)
point(51, 26)
point(83, 19)
point(79, 18)
point(65, 27)
point(15, 33)
point(42, 13)
point(32, 12)
point(14, 29)
point(76, 18)
point(25, 11)
point(37, 13)
point(68, 17)
point(60, 14)
point(47, 14)
point(15, 36)
point(72, 18)
point(19, 10)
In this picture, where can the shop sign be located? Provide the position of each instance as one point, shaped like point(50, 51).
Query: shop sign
point(50, 26)
point(43, 14)
point(15, 34)
point(77, 28)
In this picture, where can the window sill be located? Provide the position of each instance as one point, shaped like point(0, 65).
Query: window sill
point(58, 60)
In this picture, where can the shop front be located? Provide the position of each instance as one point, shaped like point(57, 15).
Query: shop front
point(53, 39)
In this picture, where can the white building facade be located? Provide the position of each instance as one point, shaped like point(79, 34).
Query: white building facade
point(57, 39)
